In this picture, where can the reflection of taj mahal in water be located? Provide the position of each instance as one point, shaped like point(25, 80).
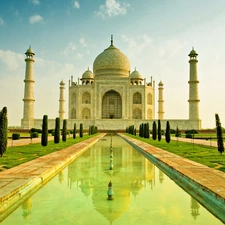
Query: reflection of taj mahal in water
point(111, 97)
point(88, 176)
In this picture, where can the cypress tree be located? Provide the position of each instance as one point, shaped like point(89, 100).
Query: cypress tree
point(154, 132)
point(57, 130)
point(64, 131)
point(219, 133)
point(74, 130)
point(3, 130)
point(140, 130)
point(44, 136)
point(81, 130)
point(167, 132)
point(159, 131)
point(147, 130)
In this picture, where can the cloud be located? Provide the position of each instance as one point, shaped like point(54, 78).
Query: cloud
point(11, 60)
point(69, 48)
point(112, 8)
point(79, 56)
point(170, 48)
point(137, 45)
point(83, 42)
point(76, 5)
point(35, 19)
point(1, 21)
point(35, 2)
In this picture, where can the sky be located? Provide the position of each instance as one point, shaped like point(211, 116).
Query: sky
point(156, 36)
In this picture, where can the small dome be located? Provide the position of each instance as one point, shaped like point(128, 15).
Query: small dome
point(88, 75)
point(135, 75)
point(193, 53)
point(29, 51)
point(111, 59)
point(62, 83)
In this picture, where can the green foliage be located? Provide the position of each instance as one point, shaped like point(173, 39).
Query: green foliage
point(188, 135)
point(3, 130)
point(177, 133)
point(192, 131)
point(159, 131)
point(64, 131)
point(167, 132)
point(36, 130)
point(172, 131)
point(81, 130)
point(74, 130)
point(44, 136)
point(57, 130)
point(15, 136)
point(154, 131)
point(219, 134)
point(34, 135)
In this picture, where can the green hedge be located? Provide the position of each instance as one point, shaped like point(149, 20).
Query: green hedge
point(15, 136)
point(34, 134)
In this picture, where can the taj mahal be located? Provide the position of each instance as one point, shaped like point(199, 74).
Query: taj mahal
point(111, 97)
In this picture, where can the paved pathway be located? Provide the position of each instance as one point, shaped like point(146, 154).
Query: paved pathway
point(26, 141)
point(197, 141)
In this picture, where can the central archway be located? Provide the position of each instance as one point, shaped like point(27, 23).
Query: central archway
point(111, 105)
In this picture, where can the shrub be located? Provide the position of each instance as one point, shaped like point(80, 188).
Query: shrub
point(191, 131)
point(219, 132)
point(74, 131)
point(15, 136)
point(57, 131)
point(81, 130)
point(64, 131)
point(44, 136)
point(3, 130)
point(36, 130)
point(188, 135)
point(167, 132)
point(159, 131)
point(34, 135)
point(154, 131)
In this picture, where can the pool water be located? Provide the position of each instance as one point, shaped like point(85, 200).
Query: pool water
point(143, 194)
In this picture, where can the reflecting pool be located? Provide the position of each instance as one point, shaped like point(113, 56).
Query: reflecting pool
point(142, 193)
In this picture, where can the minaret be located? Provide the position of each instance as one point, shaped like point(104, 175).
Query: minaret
point(161, 102)
point(62, 101)
point(193, 87)
point(28, 110)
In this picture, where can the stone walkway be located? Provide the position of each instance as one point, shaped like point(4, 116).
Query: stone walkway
point(26, 141)
point(207, 185)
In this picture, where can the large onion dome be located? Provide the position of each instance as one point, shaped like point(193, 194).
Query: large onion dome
point(111, 62)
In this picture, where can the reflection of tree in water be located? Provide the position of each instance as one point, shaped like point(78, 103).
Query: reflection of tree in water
point(161, 176)
point(61, 176)
point(194, 208)
point(26, 206)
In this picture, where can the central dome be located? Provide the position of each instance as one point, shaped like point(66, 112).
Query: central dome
point(111, 62)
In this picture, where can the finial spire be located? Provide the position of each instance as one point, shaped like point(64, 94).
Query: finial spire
point(111, 39)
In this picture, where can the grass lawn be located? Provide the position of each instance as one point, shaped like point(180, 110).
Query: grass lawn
point(20, 154)
point(205, 155)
